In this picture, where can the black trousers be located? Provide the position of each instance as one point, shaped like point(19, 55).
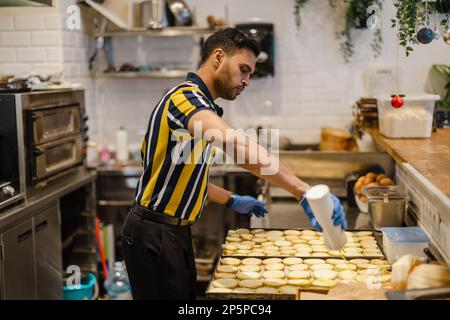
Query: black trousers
point(160, 260)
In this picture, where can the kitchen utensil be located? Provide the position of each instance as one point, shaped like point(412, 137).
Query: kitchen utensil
point(178, 13)
point(153, 14)
point(387, 206)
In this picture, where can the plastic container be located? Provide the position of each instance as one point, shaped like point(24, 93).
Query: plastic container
point(86, 290)
point(321, 203)
point(398, 242)
point(118, 285)
point(413, 120)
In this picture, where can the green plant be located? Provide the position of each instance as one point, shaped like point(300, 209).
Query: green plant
point(411, 14)
point(298, 5)
point(445, 71)
point(356, 17)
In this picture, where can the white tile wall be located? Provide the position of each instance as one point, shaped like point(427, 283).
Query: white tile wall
point(29, 22)
point(6, 23)
point(15, 39)
point(37, 40)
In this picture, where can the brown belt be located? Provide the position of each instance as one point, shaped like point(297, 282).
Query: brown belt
point(151, 215)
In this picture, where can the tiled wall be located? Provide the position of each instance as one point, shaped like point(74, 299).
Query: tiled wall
point(37, 40)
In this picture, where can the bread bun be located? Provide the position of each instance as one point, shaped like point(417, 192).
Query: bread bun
point(359, 184)
point(386, 182)
point(367, 180)
point(372, 176)
point(380, 177)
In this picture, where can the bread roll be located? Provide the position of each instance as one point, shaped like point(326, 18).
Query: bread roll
point(272, 260)
point(251, 283)
point(275, 282)
point(227, 269)
point(386, 182)
point(273, 274)
point(252, 261)
point(248, 275)
point(380, 177)
point(292, 261)
point(221, 275)
point(250, 268)
point(225, 283)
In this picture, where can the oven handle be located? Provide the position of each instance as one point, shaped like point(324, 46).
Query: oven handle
point(38, 151)
point(35, 116)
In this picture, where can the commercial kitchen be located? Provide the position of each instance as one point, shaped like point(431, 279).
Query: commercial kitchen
point(351, 97)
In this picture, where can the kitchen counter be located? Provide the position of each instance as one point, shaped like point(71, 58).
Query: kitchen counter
point(430, 157)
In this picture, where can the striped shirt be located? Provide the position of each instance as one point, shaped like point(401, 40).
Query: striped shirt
point(176, 165)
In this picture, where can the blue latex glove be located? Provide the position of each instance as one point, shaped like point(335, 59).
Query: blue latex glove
point(248, 205)
point(338, 214)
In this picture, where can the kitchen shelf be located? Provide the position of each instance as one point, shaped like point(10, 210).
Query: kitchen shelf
point(165, 32)
point(148, 75)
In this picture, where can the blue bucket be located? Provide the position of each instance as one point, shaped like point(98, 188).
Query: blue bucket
point(85, 291)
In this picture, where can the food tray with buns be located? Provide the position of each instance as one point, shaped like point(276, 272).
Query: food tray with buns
point(302, 243)
point(282, 278)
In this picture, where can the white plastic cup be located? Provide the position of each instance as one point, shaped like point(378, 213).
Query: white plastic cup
point(321, 203)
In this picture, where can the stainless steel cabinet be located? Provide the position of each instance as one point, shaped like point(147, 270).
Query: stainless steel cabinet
point(48, 251)
point(19, 281)
point(31, 258)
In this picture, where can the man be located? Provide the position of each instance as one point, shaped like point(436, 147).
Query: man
point(170, 195)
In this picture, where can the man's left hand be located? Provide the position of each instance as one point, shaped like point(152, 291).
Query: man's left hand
point(248, 205)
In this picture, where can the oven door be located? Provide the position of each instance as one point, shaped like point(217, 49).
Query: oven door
point(53, 123)
point(55, 157)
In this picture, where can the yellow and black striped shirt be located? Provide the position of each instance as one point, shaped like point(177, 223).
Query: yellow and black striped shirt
point(176, 165)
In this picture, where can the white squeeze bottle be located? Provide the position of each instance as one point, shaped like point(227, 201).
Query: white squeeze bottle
point(321, 203)
point(121, 145)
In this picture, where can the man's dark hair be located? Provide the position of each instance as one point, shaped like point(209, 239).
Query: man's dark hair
point(229, 40)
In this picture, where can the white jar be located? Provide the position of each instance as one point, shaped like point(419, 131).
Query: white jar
point(321, 203)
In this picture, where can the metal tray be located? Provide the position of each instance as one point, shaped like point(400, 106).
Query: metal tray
point(256, 296)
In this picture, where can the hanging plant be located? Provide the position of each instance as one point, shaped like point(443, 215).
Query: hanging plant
point(412, 14)
point(298, 5)
point(356, 17)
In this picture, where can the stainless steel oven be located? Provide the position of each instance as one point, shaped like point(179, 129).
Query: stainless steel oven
point(12, 164)
point(54, 133)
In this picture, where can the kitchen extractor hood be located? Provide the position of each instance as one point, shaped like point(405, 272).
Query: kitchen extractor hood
point(25, 3)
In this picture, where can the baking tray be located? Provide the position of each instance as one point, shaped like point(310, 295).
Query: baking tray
point(377, 239)
point(258, 296)
point(255, 296)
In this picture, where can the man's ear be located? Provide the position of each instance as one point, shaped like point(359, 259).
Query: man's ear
point(218, 56)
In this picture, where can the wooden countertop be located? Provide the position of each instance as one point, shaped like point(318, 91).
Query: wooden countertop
point(431, 157)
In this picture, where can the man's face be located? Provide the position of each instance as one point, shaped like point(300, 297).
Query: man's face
point(233, 73)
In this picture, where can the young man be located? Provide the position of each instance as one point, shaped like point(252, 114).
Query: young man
point(176, 154)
